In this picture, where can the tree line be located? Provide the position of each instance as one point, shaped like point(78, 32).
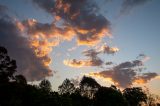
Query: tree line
point(14, 91)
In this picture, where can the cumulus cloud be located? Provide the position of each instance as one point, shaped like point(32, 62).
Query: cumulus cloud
point(128, 5)
point(125, 74)
point(20, 49)
point(82, 15)
point(33, 40)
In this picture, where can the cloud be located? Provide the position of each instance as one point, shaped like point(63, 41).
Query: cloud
point(92, 57)
point(125, 74)
point(92, 53)
point(92, 60)
point(33, 40)
point(43, 37)
point(144, 58)
point(145, 77)
point(82, 15)
point(3, 8)
point(108, 50)
point(83, 63)
point(128, 5)
point(72, 49)
point(47, 5)
point(109, 63)
point(19, 47)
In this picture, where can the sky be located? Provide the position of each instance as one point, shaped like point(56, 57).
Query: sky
point(113, 41)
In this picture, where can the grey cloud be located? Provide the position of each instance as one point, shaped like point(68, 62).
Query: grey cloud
point(19, 49)
point(47, 5)
point(126, 73)
point(128, 5)
point(81, 15)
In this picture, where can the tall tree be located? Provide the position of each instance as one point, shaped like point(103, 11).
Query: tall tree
point(134, 96)
point(45, 86)
point(88, 86)
point(66, 87)
point(7, 66)
point(20, 79)
point(109, 96)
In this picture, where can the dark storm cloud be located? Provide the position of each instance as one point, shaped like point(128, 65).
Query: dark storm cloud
point(18, 46)
point(128, 5)
point(82, 15)
point(125, 74)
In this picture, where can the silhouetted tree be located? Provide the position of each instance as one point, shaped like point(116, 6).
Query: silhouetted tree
point(152, 99)
point(7, 66)
point(107, 96)
point(66, 87)
point(20, 79)
point(88, 86)
point(45, 86)
point(134, 96)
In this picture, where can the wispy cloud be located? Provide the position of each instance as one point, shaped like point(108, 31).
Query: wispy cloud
point(128, 5)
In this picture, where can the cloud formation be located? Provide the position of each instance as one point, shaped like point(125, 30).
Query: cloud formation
point(19, 48)
point(92, 57)
point(108, 50)
point(47, 5)
point(128, 5)
point(125, 74)
point(82, 15)
point(92, 60)
point(145, 77)
point(33, 40)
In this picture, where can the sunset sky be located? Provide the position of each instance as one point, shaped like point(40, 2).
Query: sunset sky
point(114, 41)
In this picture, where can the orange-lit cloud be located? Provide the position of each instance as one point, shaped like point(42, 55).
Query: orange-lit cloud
point(92, 57)
point(125, 74)
point(75, 63)
point(31, 55)
point(80, 15)
point(43, 37)
point(108, 50)
point(83, 63)
point(145, 77)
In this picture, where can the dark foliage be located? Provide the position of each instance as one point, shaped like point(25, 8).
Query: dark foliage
point(134, 95)
point(7, 66)
point(107, 96)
